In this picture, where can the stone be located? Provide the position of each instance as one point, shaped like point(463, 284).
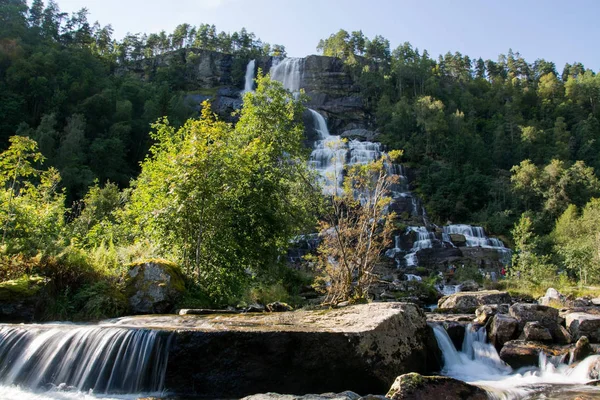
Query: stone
point(520, 353)
point(582, 349)
point(469, 301)
point(278, 306)
point(536, 332)
point(594, 369)
point(553, 298)
point(20, 299)
point(485, 312)
point(255, 307)
point(347, 395)
point(362, 348)
point(417, 387)
point(469, 286)
point(361, 134)
point(154, 287)
point(533, 312)
point(502, 329)
point(458, 239)
point(584, 324)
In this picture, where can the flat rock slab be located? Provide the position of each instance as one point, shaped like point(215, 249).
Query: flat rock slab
point(361, 348)
point(469, 301)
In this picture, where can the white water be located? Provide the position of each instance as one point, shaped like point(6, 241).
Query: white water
point(478, 363)
point(73, 361)
point(249, 78)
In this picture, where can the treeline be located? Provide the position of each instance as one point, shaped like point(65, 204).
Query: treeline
point(58, 85)
point(509, 144)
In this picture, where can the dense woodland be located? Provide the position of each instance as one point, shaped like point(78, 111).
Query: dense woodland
point(100, 168)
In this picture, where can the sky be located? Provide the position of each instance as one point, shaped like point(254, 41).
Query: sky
point(558, 31)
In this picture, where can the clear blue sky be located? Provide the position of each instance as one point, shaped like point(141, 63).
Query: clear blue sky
point(556, 30)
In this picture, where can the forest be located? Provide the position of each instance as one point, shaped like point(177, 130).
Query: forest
point(101, 168)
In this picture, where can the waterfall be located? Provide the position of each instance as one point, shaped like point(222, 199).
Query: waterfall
point(425, 240)
point(249, 79)
point(99, 359)
point(289, 72)
point(479, 363)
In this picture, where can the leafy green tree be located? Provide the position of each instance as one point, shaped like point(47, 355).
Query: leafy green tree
point(31, 208)
point(225, 201)
point(527, 264)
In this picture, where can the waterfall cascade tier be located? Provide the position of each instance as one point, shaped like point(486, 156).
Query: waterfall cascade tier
point(98, 359)
point(249, 78)
point(478, 363)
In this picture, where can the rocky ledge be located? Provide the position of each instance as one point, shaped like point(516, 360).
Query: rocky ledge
point(362, 348)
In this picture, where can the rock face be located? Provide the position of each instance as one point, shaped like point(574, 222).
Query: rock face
point(19, 299)
point(584, 324)
point(417, 387)
point(154, 287)
point(360, 348)
point(469, 301)
point(547, 317)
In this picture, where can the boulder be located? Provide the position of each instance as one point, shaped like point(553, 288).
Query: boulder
point(547, 317)
point(533, 312)
point(278, 306)
point(552, 297)
point(417, 387)
point(469, 286)
point(502, 329)
point(536, 332)
point(469, 301)
point(484, 313)
point(582, 349)
point(520, 353)
point(362, 348)
point(458, 239)
point(347, 395)
point(361, 134)
point(20, 299)
point(584, 324)
point(154, 287)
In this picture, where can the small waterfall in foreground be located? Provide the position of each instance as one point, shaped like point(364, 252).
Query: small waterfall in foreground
point(478, 363)
point(249, 78)
point(82, 359)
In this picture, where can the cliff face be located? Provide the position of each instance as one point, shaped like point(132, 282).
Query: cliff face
point(205, 75)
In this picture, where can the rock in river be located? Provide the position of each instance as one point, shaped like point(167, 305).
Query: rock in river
point(417, 387)
point(362, 348)
point(469, 301)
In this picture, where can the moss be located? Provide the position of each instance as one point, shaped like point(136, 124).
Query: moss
point(22, 288)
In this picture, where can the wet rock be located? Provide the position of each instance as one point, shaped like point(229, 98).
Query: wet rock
point(594, 369)
point(582, 349)
point(20, 299)
point(253, 308)
point(502, 329)
point(584, 324)
point(154, 287)
point(520, 353)
point(278, 306)
point(484, 313)
point(458, 239)
point(469, 301)
point(347, 395)
point(361, 134)
point(417, 387)
point(456, 332)
point(536, 332)
point(362, 348)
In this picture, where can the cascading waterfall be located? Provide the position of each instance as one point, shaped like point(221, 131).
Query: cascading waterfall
point(82, 359)
point(289, 72)
point(425, 240)
point(249, 78)
point(479, 363)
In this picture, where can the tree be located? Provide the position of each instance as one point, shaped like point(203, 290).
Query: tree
point(225, 201)
point(356, 231)
point(31, 208)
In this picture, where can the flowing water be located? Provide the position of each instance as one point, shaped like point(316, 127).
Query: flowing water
point(478, 363)
point(64, 361)
point(249, 78)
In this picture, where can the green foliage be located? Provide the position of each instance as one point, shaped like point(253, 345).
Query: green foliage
point(99, 300)
point(225, 201)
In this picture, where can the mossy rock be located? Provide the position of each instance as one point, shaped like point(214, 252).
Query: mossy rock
point(19, 298)
point(154, 287)
point(417, 387)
